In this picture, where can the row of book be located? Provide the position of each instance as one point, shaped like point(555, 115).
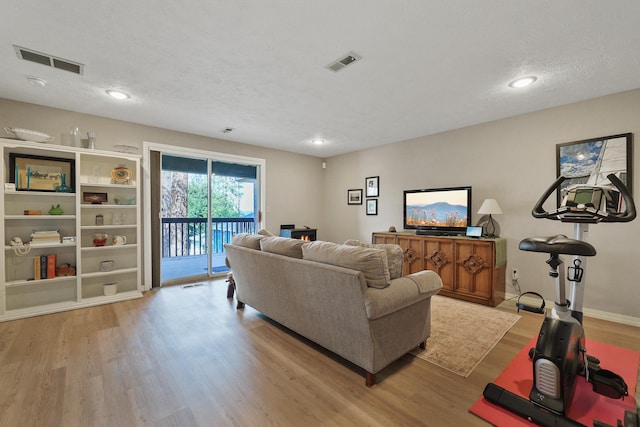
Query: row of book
point(44, 267)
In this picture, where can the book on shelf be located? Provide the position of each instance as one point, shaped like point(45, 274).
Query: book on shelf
point(36, 268)
point(51, 266)
point(45, 232)
point(43, 266)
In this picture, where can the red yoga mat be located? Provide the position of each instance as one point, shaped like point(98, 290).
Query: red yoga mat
point(586, 405)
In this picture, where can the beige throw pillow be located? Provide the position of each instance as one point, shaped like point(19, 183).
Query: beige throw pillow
point(372, 262)
point(246, 240)
point(282, 246)
point(395, 255)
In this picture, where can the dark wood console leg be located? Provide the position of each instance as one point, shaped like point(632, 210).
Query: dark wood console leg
point(370, 379)
point(423, 345)
point(240, 305)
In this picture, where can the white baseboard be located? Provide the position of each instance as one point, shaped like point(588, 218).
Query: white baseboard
point(596, 314)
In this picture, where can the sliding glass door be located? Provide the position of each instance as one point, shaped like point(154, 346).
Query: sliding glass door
point(234, 206)
point(204, 202)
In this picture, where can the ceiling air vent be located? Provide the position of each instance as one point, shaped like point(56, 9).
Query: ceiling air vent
point(339, 64)
point(49, 60)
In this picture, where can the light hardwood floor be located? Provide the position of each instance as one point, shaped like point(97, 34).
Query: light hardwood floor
point(187, 357)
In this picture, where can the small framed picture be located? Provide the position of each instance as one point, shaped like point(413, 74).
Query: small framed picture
point(94, 198)
point(354, 196)
point(372, 206)
point(372, 184)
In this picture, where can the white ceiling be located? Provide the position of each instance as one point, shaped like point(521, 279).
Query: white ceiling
point(259, 66)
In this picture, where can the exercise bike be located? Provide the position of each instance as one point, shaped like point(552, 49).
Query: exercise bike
point(560, 354)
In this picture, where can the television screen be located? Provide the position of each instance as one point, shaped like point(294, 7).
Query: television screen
point(445, 211)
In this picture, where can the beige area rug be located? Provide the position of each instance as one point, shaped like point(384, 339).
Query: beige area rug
point(463, 333)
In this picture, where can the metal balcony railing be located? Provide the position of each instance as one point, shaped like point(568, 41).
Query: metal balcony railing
point(187, 236)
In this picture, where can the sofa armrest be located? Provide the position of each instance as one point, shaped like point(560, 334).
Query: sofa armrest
point(401, 293)
point(427, 281)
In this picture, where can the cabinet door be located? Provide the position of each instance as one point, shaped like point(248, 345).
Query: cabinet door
point(413, 250)
point(474, 268)
point(439, 257)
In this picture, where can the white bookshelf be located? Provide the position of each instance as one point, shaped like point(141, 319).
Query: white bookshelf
point(21, 295)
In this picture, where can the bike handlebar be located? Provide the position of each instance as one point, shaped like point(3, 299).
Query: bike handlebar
point(588, 213)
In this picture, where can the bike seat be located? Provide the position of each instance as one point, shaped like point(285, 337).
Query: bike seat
point(557, 245)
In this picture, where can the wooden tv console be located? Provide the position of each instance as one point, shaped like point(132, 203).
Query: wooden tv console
point(471, 269)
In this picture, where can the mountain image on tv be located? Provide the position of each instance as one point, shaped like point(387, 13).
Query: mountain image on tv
point(440, 214)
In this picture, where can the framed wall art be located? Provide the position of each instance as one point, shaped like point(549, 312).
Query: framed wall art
point(372, 184)
point(354, 196)
point(590, 161)
point(372, 206)
point(40, 173)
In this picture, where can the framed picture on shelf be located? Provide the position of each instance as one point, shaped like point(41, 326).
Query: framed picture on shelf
point(354, 196)
point(591, 160)
point(40, 173)
point(372, 184)
point(372, 206)
point(94, 198)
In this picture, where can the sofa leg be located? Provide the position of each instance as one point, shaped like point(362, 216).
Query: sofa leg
point(370, 379)
point(240, 305)
point(423, 345)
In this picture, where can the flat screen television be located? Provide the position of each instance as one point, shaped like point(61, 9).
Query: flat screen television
point(438, 211)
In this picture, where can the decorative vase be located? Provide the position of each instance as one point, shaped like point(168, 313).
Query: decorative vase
point(63, 188)
point(56, 210)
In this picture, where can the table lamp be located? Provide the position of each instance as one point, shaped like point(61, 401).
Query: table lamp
point(490, 207)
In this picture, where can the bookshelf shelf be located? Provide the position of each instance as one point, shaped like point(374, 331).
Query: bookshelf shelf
point(40, 282)
point(39, 217)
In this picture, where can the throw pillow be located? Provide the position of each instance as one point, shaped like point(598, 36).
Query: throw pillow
point(246, 240)
point(395, 255)
point(265, 232)
point(282, 246)
point(372, 262)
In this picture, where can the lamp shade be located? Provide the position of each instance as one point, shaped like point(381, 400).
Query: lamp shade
point(490, 207)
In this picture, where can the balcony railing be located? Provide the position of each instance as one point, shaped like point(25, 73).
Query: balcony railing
point(187, 236)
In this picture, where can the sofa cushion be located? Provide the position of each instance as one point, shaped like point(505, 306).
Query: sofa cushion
point(246, 240)
point(370, 261)
point(395, 255)
point(282, 246)
point(265, 232)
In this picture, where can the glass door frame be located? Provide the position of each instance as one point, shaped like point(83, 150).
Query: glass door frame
point(148, 147)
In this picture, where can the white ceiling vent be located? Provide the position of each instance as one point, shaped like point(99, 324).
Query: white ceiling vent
point(339, 64)
point(49, 60)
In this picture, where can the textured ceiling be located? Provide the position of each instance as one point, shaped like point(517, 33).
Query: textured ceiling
point(259, 66)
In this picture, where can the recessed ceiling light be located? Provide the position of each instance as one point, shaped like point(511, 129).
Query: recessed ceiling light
point(118, 94)
point(523, 82)
point(318, 141)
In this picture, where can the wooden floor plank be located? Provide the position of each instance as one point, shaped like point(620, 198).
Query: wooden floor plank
point(187, 357)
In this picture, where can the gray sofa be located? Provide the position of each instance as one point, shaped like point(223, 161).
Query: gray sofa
point(349, 299)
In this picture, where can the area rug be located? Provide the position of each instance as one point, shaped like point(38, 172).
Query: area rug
point(463, 333)
point(586, 406)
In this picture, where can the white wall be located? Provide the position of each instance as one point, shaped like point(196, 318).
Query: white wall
point(514, 161)
point(293, 181)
